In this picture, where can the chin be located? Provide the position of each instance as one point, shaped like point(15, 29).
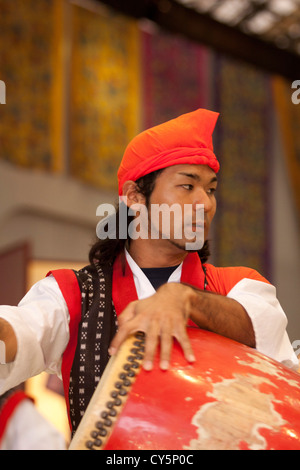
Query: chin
point(181, 245)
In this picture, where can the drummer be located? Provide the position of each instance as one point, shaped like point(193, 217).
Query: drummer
point(69, 323)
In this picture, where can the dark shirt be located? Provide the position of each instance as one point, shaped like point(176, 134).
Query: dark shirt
point(158, 276)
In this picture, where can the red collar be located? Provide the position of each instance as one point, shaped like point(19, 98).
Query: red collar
point(123, 286)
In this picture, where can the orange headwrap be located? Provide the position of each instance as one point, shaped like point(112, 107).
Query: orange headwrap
point(184, 140)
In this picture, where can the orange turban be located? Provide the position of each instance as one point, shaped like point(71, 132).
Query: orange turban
point(184, 140)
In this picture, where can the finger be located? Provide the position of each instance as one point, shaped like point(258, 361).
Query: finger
point(150, 350)
point(117, 340)
point(127, 314)
point(125, 330)
point(166, 343)
point(126, 327)
point(183, 339)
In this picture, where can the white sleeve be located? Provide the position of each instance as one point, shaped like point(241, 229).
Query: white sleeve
point(41, 325)
point(268, 319)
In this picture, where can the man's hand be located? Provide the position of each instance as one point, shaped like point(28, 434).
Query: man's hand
point(161, 317)
point(164, 316)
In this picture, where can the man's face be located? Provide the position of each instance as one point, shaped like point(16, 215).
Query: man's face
point(185, 186)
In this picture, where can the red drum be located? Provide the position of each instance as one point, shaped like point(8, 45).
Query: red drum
point(232, 398)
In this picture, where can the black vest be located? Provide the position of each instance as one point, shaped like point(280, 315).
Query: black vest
point(97, 327)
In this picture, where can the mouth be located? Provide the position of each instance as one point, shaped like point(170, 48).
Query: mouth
point(197, 225)
point(194, 228)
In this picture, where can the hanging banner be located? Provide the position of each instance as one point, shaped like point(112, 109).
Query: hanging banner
point(244, 149)
point(104, 102)
point(30, 68)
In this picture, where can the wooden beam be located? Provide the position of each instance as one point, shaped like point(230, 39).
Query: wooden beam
point(200, 28)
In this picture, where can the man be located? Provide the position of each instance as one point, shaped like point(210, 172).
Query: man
point(68, 322)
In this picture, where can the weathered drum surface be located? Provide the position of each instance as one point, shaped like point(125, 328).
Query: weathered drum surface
point(232, 398)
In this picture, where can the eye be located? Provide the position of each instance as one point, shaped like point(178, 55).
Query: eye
point(212, 191)
point(188, 187)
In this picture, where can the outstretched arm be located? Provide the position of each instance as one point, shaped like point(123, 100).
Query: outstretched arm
point(164, 316)
point(35, 334)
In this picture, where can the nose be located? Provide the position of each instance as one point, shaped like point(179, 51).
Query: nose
point(203, 198)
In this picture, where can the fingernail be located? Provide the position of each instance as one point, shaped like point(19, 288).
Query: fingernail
point(112, 351)
point(191, 358)
point(164, 365)
point(147, 365)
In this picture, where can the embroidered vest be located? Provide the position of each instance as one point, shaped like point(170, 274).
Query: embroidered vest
point(91, 330)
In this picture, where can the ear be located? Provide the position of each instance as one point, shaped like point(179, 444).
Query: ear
point(131, 195)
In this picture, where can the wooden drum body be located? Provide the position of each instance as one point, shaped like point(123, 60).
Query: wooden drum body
point(232, 398)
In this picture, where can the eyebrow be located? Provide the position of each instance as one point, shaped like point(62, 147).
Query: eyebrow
point(196, 177)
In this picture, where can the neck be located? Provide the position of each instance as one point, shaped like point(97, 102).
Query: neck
point(155, 255)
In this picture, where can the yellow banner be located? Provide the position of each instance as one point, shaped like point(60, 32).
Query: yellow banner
point(104, 81)
point(30, 68)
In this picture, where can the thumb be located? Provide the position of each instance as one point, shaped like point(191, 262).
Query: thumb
point(127, 314)
point(123, 331)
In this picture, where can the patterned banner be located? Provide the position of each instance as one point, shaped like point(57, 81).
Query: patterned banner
point(174, 77)
point(104, 95)
point(242, 228)
point(28, 66)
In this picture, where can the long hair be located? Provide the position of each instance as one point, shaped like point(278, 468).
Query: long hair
point(105, 251)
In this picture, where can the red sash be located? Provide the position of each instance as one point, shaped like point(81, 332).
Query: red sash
point(68, 284)
point(9, 407)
